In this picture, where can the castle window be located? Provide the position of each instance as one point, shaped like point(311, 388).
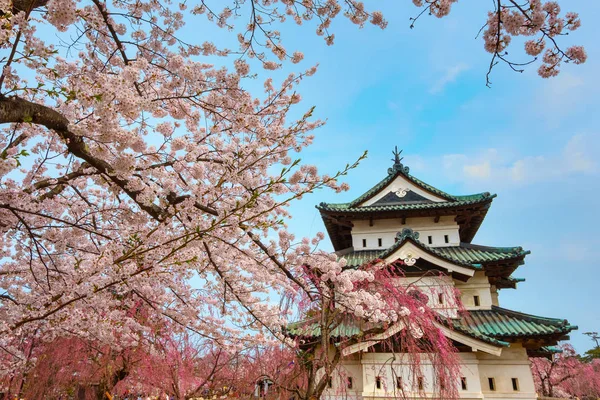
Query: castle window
point(441, 298)
point(420, 382)
point(492, 384)
point(515, 383)
point(349, 383)
point(430, 239)
point(329, 383)
point(399, 382)
point(463, 382)
point(364, 242)
point(378, 382)
point(446, 239)
point(380, 242)
point(476, 301)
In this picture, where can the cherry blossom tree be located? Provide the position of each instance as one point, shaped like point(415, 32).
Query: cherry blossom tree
point(390, 314)
point(566, 375)
point(132, 171)
point(177, 365)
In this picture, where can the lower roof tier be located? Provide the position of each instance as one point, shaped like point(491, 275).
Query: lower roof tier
point(497, 326)
point(506, 325)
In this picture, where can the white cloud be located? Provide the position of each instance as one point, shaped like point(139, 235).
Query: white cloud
point(480, 171)
point(576, 157)
point(450, 76)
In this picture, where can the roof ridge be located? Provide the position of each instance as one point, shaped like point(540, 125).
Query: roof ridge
point(554, 321)
point(506, 249)
point(400, 169)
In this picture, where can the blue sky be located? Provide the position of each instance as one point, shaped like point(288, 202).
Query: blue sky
point(532, 141)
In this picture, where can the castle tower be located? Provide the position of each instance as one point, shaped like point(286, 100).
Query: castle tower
point(403, 218)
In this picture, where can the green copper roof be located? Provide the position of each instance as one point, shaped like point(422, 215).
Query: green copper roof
point(493, 326)
point(348, 207)
point(501, 323)
point(551, 349)
point(311, 328)
point(480, 254)
point(464, 254)
point(399, 169)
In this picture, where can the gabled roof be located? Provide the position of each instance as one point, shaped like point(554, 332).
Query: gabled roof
point(473, 253)
point(496, 326)
point(353, 327)
point(398, 169)
point(469, 255)
point(401, 195)
point(501, 323)
point(408, 234)
point(409, 206)
point(394, 202)
point(311, 328)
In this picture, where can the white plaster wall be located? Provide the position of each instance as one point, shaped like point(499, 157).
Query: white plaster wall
point(339, 383)
point(513, 363)
point(401, 183)
point(477, 285)
point(475, 367)
point(386, 229)
point(433, 287)
point(494, 294)
point(383, 365)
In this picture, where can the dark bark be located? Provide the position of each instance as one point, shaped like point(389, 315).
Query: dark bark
point(26, 5)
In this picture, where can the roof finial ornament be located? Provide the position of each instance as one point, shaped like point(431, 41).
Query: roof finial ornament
point(397, 162)
point(397, 159)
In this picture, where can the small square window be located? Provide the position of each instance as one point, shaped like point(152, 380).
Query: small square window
point(380, 242)
point(446, 239)
point(349, 382)
point(364, 242)
point(430, 239)
point(441, 298)
point(399, 382)
point(463, 382)
point(492, 384)
point(476, 301)
point(420, 382)
point(515, 383)
point(378, 382)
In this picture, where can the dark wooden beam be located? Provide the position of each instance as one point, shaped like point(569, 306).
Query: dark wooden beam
point(403, 220)
point(339, 221)
point(371, 221)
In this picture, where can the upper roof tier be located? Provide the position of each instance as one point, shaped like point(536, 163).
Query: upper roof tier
point(401, 195)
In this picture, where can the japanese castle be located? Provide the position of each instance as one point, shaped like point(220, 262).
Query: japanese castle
point(403, 218)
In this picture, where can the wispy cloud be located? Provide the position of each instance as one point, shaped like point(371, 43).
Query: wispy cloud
point(577, 156)
point(449, 76)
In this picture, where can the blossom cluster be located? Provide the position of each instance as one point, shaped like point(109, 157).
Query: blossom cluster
point(538, 18)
